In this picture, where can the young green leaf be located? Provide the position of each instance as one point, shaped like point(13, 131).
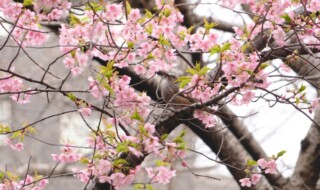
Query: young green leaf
point(215, 49)
point(281, 153)
point(136, 116)
point(251, 163)
point(71, 96)
point(208, 25)
point(27, 3)
point(120, 161)
point(301, 89)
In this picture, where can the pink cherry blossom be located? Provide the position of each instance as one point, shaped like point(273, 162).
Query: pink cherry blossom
point(271, 167)
point(68, 155)
point(255, 178)
point(206, 118)
point(134, 15)
point(139, 69)
point(85, 111)
point(17, 147)
point(245, 182)
point(3, 187)
point(119, 180)
point(76, 71)
point(21, 98)
point(82, 175)
point(161, 174)
point(279, 36)
point(247, 97)
point(262, 163)
point(104, 167)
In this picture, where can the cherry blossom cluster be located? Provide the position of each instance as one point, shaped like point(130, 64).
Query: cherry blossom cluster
point(266, 166)
point(279, 16)
point(138, 41)
point(68, 155)
point(14, 146)
point(206, 118)
point(102, 170)
point(111, 170)
point(269, 167)
point(124, 37)
point(27, 28)
point(9, 83)
point(161, 174)
point(29, 183)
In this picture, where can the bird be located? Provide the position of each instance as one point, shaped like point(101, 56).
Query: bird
point(173, 97)
point(170, 92)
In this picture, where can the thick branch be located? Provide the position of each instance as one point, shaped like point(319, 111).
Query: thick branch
point(307, 169)
point(241, 132)
point(228, 149)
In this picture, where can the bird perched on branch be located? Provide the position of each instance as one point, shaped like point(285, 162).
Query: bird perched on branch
point(170, 92)
point(173, 97)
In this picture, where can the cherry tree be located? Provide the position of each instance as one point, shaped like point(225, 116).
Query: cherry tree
point(150, 66)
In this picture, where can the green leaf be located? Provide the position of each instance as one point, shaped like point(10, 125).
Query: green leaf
point(164, 136)
point(178, 140)
point(138, 186)
point(264, 65)
point(73, 53)
point(162, 163)
point(281, 153)
point(215, 49)
point(184, 80)
point(130, 45)
point(143, 130)
point(11, 176)
point(122, 147)
point(74, 20)
point(27, 3)
point(197, 67)
point(245, 47)
point(71, 96)
point(167, 12)
point(120, 161)
point(251, 163)
point(287, 18)
point(108, 87)
point(197, 70)
point(1, 175)
point(148, 14)
point(84, 161)
point(150, 56)
point(128, 7)
point(182, 146)
point(107, 70)
point(190, 29)
point(301, 89)
point(30, 129)
point(191, 71)
point(149, 187)
point(16, 134)
point(225, 47)
point(208, 25)
point(204, 70)
point(4, 129)
point(93, 6)
point(163, 41)
point(136, 116)
point(149, 29)
point(98, 156)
